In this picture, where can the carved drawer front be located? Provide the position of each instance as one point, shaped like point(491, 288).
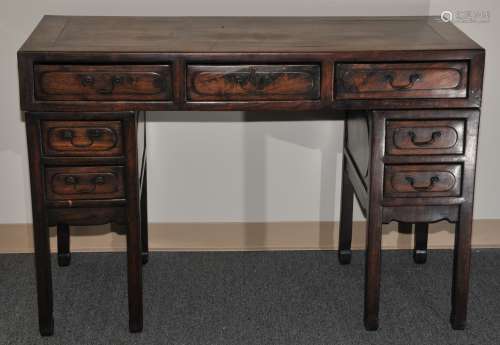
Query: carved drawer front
point(82, 138)
point(406, 137)
point(102, 83)
point(401, 80)
point(433, 180)
point(253, 83)
point(72, 183)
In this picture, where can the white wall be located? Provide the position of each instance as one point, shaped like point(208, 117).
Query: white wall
point(235, 171)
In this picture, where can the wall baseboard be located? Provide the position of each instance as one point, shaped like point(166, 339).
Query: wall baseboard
point(18, 238)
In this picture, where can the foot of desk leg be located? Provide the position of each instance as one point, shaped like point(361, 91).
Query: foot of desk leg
point(371, 324)
point(145, 257)
point(420, 256)
point(135, 326)
point(458, 325)
point(420, 246)
point(345, 256)
point(47, 329)
point(63, 251)
point(64, 259)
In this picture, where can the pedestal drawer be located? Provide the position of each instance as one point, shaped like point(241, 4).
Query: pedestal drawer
point(425, 137)
point(82, 138)
point(429, 180)
point(84, 183)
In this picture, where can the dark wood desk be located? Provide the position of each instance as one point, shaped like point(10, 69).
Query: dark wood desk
point(409, 89)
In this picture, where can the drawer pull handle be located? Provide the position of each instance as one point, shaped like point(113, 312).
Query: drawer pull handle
point(257, 80)
point(74, 181)
point(115, 80)
point(434, 179)
point(411, 81)
point(93, 134)
point(71, 180)
point(434, 136)
point(67, 134)
point(89, 80)
point(99, 180)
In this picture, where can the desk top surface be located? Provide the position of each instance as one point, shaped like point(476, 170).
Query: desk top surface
point(243, 34)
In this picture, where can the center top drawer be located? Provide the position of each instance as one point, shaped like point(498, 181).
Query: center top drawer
point(103, 82)
point(253, 82)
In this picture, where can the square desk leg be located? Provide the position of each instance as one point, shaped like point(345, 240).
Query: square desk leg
point(40, 233)
point(134, 243)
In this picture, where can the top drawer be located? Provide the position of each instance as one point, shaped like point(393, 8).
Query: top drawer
point(401, 80)
point(102, 83)
point(253, 83)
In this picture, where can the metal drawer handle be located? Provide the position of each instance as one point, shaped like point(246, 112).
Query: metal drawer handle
point(434, 179)
point(89, 80)
point(99, 180)
point(411, 81)
point(93, 134)
point(71, 180)
point(259, 81)
point(115, 80)
point(74, 181)
point(67, 134)
point(435, 135)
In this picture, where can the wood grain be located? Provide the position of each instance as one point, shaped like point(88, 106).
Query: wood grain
point(244, 34)
point(253, 82)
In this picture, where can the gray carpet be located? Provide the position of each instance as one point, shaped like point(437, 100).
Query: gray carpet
point(264, 298)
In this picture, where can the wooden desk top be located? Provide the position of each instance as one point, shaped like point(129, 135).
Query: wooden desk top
point(244, 34)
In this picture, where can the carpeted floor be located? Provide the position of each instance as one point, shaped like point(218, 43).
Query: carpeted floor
point(239, 298)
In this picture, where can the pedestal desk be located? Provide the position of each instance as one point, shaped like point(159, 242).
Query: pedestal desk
point(408, 88)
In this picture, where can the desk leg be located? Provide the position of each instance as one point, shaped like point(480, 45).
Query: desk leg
point(420, 245)
point(372, 267)
point(134, 245)
point(40, 232)
point(405, 228)
point(463, 228)
point(144, 217)
point(43, 274)
point(461, 268)
point(374, 223)
point(63, 238)
point(345, 226)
